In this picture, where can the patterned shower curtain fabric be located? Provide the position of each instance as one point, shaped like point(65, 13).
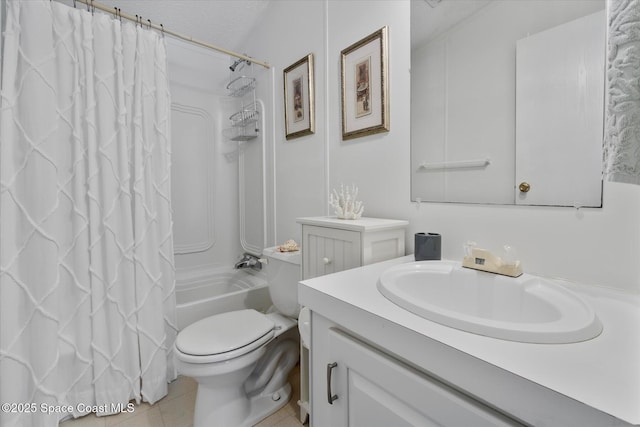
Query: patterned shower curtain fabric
point(622, 125)
point(87, 302)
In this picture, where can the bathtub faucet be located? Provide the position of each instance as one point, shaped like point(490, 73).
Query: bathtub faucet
point(249, 261)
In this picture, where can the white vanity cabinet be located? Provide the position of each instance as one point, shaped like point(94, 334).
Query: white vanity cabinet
point(366, 387)
point(376, 364)
point(330, 245)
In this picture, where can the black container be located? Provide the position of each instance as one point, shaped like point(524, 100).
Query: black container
point(428, 246)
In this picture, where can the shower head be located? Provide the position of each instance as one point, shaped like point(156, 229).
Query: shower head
point(238, 62)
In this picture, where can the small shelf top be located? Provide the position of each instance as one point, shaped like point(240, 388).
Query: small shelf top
point(360, 224)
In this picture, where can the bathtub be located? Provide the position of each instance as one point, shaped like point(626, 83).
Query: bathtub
point(225, 290)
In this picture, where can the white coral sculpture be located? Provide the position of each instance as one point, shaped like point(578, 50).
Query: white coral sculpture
point(345, 204)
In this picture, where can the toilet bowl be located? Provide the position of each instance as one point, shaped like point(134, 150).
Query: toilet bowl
point(241, 359)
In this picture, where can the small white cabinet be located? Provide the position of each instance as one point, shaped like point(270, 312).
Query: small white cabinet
point(367, 388)
point(330, 245)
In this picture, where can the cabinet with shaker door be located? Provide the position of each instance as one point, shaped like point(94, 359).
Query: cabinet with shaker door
point(367, 387)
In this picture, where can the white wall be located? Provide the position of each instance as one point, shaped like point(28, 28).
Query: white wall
point(594, 246)
point(289, 31)
point(377, 164)
point(2, 18)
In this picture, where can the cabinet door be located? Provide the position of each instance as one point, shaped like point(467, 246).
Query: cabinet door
point(371, 389)
point(329, 250)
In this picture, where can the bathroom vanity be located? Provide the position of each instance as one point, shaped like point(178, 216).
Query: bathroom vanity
point(374, 363)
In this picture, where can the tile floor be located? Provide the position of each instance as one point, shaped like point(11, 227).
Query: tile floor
point(176, 410)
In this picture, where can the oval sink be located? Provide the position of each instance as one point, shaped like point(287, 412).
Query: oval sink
point(526, 309)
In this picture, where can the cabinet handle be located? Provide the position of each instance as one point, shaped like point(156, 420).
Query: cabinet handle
point(326, 260)
point(330, 398)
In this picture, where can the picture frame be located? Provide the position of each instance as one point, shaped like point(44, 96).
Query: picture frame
point(299, 100)
point(365, 86)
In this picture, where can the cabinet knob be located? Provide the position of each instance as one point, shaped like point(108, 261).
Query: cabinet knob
point(524, 187)
point(326, 260)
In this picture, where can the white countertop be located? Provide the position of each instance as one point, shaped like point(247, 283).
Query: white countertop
point(603, 373)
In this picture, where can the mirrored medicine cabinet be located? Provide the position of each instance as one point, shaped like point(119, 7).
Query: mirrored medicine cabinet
point(507, 101)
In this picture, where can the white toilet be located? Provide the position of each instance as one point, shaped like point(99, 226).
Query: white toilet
point(241, 359)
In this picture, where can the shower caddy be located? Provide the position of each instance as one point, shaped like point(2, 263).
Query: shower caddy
point(244, 123)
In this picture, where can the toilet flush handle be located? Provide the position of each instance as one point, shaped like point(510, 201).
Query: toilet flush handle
point(326, 261)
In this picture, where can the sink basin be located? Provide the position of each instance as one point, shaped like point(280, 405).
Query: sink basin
point(526, 309)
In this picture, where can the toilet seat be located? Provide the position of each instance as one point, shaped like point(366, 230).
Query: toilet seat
point(224, 336)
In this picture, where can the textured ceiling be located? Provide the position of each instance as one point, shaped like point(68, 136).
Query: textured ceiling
point(225, 23)
point(430, 18)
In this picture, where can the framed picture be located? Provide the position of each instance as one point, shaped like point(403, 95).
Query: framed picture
point(365, 87)
point(299, 115)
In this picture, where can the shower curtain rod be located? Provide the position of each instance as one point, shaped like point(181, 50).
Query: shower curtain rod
point(138, 19)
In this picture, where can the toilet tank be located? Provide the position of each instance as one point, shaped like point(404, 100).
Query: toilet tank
point(283, 274)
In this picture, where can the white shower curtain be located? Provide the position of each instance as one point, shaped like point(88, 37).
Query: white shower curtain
point(87, 303)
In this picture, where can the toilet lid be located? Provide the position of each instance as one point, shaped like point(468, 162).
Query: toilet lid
point(223, 333)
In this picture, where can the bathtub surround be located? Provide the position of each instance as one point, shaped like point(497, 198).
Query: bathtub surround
point(86, 265)
point(211, 174)
point(622, 132)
